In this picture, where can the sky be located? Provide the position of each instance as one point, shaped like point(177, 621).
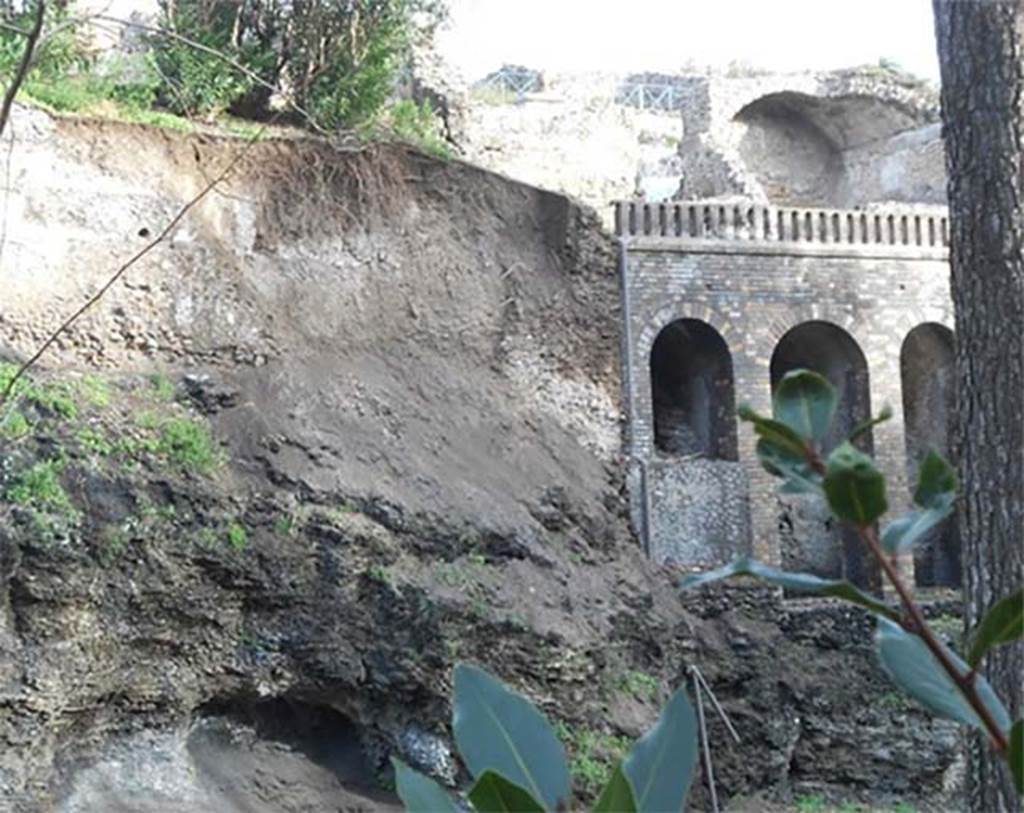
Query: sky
point(636, 35)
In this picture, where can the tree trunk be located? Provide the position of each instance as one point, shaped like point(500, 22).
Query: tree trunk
point(980, 52)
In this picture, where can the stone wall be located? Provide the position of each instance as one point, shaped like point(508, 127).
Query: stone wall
point(842, 138)
point(753, 284)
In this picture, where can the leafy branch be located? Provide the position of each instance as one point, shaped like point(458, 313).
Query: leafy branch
point(31, 40)
point(790, 446)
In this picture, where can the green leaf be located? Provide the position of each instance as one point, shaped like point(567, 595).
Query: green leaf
point(798, 582)
point(870, 423)
point(854, 487)
point(936, 480)
point(797, 473)
point(660, 765)
point(1003, 623)
point(617, 796)
point(419, 793)
point(493, 793)
point(774, 431)
point(911, 664)
point(497, 729)
point(806, 403)
point(1015, 756)
point(901, 534)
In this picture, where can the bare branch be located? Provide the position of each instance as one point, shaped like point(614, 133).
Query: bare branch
point(23, 66)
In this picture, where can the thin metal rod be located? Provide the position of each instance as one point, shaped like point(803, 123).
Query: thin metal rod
point(705, 744)
point(717, 705)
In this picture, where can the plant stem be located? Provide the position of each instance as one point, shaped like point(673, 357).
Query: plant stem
point(964, 682)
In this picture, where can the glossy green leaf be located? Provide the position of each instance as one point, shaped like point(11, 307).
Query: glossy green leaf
point(797, 473)
point(774, 432)
point(797, 582)
point(1003, 623)
point(805, 402)
point(493, 793)
point(660, 765)
point(1015, 756)
point(497, 729)
point(901, 534)
point(936, 481)
point(911, 664)
point(855, 489)
point(870, 423)
point(617, 796)
point(419, 793)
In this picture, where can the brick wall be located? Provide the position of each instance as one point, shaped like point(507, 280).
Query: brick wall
point(753, 288)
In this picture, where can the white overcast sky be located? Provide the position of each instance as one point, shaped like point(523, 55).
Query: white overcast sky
point(626, 35)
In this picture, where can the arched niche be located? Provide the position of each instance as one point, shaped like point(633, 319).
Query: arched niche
point(928, 376)
point(795, 161)
point(811, 539)
point(808, 150)
point(692, 392)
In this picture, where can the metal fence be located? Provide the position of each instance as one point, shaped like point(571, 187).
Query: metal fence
point(512, 80)
point(518, 81)
point(650, 96)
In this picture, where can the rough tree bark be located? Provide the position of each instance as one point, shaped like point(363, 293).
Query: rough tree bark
point(981, 54)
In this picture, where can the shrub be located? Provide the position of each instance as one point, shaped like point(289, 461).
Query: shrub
point(14, 425)
point(188, 443)
point(94, 390)
point(195, 81)
point(56, 397)
point(337, 59)
point(39, 487)
point(238, 537)
point(418, 125)
point(58, 54)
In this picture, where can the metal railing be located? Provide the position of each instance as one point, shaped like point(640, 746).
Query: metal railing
point(512, 80)
point(650, 96)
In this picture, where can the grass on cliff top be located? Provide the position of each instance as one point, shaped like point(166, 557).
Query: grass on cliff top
point(85, 96)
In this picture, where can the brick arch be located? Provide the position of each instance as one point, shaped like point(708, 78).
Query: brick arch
point(923, 315)
point(693, 400)
point(841, 318)
point(828, 349)
point(816, 542)
point(665, 316)
point(928, 379)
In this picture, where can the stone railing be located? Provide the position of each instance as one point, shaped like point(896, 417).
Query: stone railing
point(709, 220)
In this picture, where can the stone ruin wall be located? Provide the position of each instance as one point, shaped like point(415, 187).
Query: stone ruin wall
point(848, 138)
point(845, 138)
